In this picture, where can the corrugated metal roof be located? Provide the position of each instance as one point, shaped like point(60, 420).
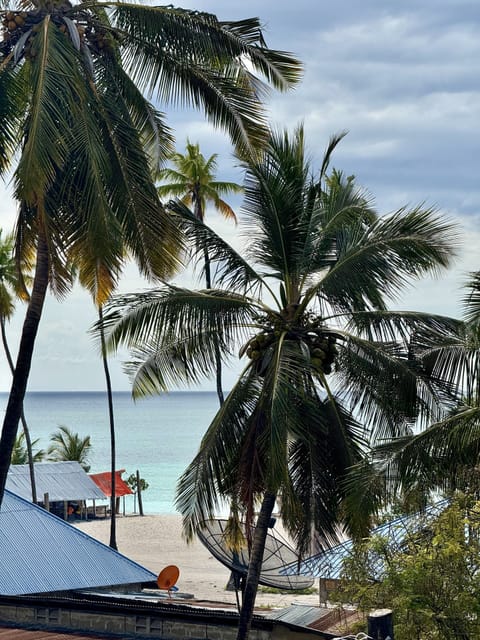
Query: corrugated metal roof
point(299, 614)
point(329, 564)
point(42, 553)
point(104, 482)
point(61, 480)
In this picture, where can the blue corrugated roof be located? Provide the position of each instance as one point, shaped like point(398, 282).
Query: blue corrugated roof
point(41, 553)
point(329, 564)
point(61, 480)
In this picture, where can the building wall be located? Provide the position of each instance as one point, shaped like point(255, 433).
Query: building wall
point(124, 625)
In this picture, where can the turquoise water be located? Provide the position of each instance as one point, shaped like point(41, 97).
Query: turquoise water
point(158, 436)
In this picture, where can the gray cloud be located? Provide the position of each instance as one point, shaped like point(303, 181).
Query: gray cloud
point(402, 77)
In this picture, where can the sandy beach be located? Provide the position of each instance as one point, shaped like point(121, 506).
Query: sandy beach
point(156, 541)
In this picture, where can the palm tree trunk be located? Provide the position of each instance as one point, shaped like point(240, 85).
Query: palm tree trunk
point(26, 431)
point(113, 506)
point(199, 214)
point(255, 566)
point(21, 372)
point(218, 358)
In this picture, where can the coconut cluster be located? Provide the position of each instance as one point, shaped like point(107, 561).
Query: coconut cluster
point(13, 25)
point(323, 351)
point(320, 343)
point(17, 23)
point(14, 20)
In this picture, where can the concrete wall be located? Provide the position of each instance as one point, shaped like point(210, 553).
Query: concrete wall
point(121, 624)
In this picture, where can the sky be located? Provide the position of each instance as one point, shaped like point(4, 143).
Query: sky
point(402, 77)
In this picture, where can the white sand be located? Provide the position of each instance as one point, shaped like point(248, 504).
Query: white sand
point(156, 541)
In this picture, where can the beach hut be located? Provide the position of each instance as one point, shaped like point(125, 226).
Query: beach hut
point(104, 483)
point(61, 486)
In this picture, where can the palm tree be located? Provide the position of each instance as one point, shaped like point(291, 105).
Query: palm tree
point(84, 139)
point(68, 445)
point(327, 368)
point(192, 180)
point(445, 456)
point(20, 454)
point(12, 284)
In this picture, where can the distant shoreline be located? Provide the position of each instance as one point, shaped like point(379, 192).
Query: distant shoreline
point(96, 392)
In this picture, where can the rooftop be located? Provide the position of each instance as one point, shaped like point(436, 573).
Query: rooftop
point(63, 481)
point(41, 553)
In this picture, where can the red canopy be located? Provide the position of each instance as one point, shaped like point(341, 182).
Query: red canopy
point(104, 482)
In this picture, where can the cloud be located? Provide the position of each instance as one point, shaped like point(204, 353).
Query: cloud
point(401, 77)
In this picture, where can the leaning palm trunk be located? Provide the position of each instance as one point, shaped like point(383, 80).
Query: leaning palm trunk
point(113, 515)
point(14, 408)
point(26, 431)
point(255, 566)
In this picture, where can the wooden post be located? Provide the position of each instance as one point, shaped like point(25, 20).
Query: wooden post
point(322, 591)
point(139, 493)
point(380, 624)
point(46, 501)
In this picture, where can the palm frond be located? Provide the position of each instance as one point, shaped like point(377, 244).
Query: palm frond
point(472, 299)
point(156, 137)
point(450, 353)
point(332, 145)
point(158, 366)
point(232, 270)
point(13, 100)
point(318, 465)
point(148, 232)
point(277, 190)
point(280, 68)
point(51, 113)
point(387, 388)
point(213, 471)
point(189, 57)
point(225, 209)
point(433, 460)
point(173, 331)
point(384, 257)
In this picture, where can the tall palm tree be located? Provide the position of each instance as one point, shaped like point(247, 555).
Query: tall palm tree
point(12, 285)
point(321, 381)
point(66, 445)
point(83, 138)
point(192, 180)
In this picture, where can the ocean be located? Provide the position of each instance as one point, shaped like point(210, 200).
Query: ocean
point(159, 436)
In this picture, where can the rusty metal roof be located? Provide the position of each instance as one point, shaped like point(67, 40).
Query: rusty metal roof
point(40, 553)
point(62, 481)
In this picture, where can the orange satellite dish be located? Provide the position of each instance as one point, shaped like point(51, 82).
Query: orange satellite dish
point(168, 577)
